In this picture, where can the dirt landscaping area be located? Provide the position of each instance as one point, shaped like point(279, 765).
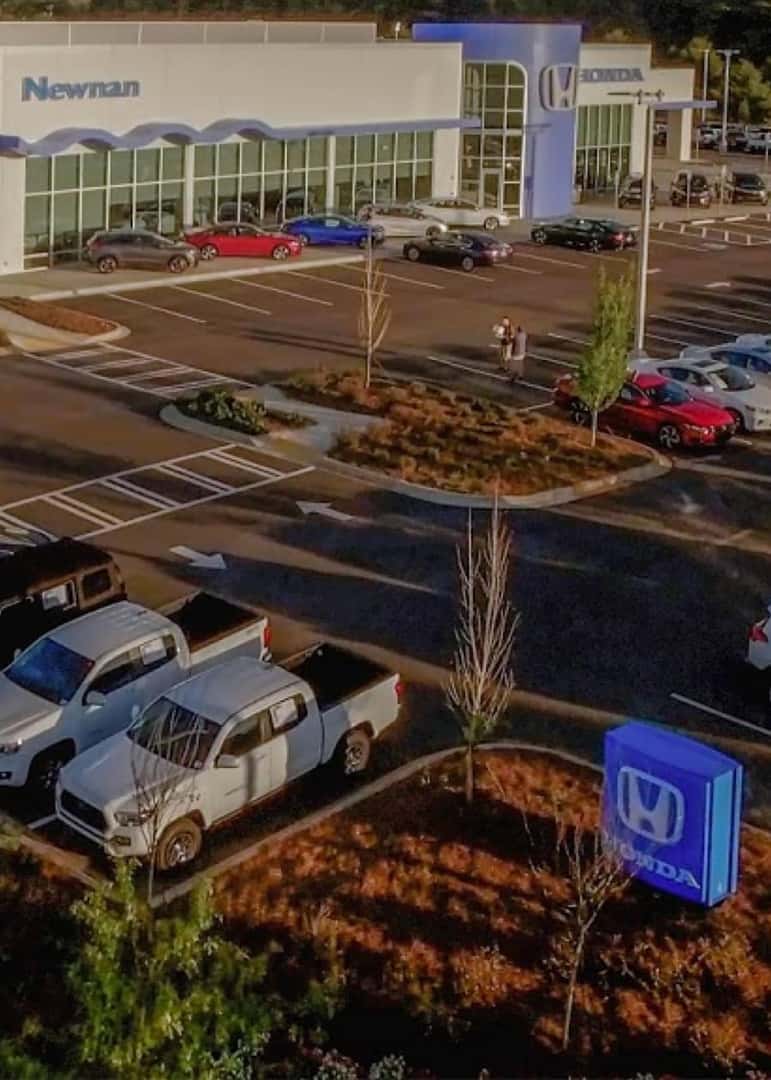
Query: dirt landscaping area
point(443, 439)
point(450, 924)
point(58, 318)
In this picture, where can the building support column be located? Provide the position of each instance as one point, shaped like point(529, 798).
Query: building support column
point(188, 174)
point(13, 173)
point(329, 201)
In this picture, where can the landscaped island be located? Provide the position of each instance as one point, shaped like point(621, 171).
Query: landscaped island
point(443, 439)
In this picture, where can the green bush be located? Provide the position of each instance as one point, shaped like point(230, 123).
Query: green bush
point(251, 417)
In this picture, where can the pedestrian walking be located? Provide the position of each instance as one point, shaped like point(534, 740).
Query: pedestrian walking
point(504, 333)
point(518, 353)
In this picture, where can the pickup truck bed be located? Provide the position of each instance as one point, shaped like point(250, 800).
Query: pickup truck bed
point(205, 619)
point(335, 674)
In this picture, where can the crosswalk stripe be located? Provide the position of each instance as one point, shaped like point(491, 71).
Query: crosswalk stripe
point(134, 491)
point(74, 506)
point(238, 463)
point(195, 478)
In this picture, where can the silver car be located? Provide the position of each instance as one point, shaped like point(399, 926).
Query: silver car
point(401, 219)
point(462, 213)
point(138, 249)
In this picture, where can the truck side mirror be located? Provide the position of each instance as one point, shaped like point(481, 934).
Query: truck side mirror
point(227, 761)
point(94, 699)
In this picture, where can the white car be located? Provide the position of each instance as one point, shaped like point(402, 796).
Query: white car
point(758, 141)
point(714, 381)
point(462, 213)
point(401, 219)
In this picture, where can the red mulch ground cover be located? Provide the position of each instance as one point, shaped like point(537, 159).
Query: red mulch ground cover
point(58, 318)
point(445, 921)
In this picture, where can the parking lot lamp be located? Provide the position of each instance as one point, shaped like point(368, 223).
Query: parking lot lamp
point(727, 53)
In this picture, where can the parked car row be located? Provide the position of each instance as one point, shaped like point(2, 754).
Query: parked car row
point(589, 234)
point(113, 695)
point(691, 188)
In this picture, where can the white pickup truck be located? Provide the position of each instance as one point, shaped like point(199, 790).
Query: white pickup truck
point(84, 681)
point(221, 741)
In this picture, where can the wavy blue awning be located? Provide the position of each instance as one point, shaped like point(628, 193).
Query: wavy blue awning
point(57, 142)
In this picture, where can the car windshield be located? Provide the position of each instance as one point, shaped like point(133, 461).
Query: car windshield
point(668, 393)
point(749, 180)
point(731, 378)
point(174, 733)
point(50, 670)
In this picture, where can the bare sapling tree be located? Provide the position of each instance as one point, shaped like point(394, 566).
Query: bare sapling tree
point(482, 680)
point(596, 873)
point(605, 360)
point(374, 311)
point(168, 746)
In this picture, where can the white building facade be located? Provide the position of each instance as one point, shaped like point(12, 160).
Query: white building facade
point(166, 124)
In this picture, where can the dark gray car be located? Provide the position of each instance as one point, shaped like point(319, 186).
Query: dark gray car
point(137, 249)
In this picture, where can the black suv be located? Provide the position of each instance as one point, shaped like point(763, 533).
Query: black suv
point(630, 193)
point(747, 187)
point(690, 189)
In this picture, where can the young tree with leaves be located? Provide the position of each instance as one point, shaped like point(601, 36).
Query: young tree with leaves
point(482, 679)
point(605, 360)
point(374, 311)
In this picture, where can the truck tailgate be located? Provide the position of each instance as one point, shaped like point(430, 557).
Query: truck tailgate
point(377, 707)
point(214, 627)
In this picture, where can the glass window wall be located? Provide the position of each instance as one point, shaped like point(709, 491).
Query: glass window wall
point(491, 160)
point(383, 168)
point(603, 146)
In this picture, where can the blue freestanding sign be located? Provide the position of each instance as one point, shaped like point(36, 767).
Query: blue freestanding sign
point(672, 807)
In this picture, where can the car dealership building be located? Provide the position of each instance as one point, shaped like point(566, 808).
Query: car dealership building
point(165, 124)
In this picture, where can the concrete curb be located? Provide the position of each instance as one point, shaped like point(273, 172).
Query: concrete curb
point(658, 466)
point(29, 335)
point(164, 280)
point(316, 817)
point(172, 416)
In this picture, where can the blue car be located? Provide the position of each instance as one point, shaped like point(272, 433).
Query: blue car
point(333, 229)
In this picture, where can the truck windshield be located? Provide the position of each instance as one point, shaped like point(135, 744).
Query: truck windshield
point(175, 734)
point(50, 670)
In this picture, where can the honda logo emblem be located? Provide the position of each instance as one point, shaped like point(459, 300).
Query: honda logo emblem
point(650, 807)
point(559, 87)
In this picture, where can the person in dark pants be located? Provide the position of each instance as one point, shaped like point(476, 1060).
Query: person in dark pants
point(518, 354)
point(504, 333)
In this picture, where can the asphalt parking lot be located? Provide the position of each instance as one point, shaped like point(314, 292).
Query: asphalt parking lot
point(635, 603)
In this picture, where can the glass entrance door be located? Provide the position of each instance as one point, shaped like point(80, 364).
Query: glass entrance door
point(492, 189)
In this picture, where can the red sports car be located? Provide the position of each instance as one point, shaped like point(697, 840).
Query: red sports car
point(652, 406)
point(243, 240)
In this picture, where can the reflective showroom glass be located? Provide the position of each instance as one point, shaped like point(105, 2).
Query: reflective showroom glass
point(603, 146)
point(491, 159)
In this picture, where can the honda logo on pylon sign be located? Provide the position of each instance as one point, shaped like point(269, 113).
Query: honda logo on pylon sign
point(672, 810)
point(650, 807)
point(559, 87)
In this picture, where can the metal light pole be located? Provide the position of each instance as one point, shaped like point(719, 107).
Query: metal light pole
point(727, 53)
point(705, 85)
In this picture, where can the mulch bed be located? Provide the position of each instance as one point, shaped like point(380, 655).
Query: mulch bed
point(439, 438)
point(58, 318)
point(446, 921)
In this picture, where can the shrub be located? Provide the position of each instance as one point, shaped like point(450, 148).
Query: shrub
point(240, 414)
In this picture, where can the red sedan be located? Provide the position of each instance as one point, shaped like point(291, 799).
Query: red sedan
point(652, 406)
point(244, 240)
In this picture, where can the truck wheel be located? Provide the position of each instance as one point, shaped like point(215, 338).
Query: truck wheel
point(45, 768)
point(354, 752)
point(179, 845)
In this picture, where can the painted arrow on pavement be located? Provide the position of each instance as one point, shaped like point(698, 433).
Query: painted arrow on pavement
point(199, 559)
point(325, 509)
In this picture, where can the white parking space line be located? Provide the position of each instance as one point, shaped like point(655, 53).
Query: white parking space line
point(396, 277)
point(134, 491)
point(722, 715)
point(655, 270)
point(750, 301)
point(728, 315)
point(724, 470)
point(572, 340)
point(41, 822)
point(155, 307)
point(519, 254)
point(669, 340)
point(24, 526)
point(680, 321)
point(532, 408)
point(459, 273)
point(324, 280)
point(109, 365)
point(74, 506)
point(551, 360)
point(672, 244)
point(237, 463)
point(519, 269)
point(164, 373)
point(490, 374)
point(191, 477)
point(220, 299)
point(179, 387)
point(718, 285)
point(284, 292)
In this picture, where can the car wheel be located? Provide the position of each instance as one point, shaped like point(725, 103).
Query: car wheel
point(467, 264)
point(280, 252)
point(594, 246)
point(179, 845)
point(579, 413)
point(413, 254)
point(209, 251)
point(178, 264)
point(107, 264)
point(365, 242)
point(540, 236)
point(45, 768)
point(490, 223)
point(738, 420)
point(354, 752)
point(669, 437)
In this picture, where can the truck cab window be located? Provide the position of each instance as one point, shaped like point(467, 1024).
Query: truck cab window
point(153, 654)
point(59, 596)
point(285, 714)
point(247, 734)
point(117, 673)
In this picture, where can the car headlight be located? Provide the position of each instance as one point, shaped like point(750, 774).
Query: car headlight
point(10, 747)
point(129, 818)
